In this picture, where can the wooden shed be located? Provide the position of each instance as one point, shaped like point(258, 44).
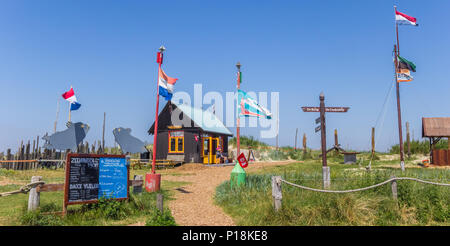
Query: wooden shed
point(194, 137)
point(435, 129)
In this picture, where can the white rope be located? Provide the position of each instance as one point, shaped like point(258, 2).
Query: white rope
point(23, 189)
point(365, 188)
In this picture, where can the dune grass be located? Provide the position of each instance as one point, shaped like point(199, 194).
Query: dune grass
point(418, 204)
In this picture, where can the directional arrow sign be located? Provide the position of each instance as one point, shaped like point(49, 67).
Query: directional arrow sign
point(318, 120)
point(318, 128)
point(327, 109)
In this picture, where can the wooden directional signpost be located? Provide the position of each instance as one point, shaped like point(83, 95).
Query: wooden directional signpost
point(322, 110)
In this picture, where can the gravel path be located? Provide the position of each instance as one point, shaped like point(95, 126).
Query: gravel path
point(194, 203)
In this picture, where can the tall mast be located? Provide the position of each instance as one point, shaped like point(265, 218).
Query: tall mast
point(161, 50)
point(399, 112)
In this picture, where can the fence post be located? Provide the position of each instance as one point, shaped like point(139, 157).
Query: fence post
point(34, 197)
point(159, 202)
point(276, 192)
point(137, 188)
point(326, 177)
point(394, 188)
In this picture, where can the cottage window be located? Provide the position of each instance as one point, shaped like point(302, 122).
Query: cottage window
point(176, 142)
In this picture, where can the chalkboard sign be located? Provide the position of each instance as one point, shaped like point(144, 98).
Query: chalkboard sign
point(91, 177)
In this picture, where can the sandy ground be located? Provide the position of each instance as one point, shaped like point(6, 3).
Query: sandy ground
point(194, 203)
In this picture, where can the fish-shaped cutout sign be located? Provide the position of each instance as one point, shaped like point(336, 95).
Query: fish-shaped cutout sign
point(67, 139)
point(127, 142)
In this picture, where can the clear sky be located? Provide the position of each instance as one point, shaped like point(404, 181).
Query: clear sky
point(106, 51)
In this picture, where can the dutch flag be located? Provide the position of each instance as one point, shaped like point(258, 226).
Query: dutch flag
point(166, 84)
point(70, 96)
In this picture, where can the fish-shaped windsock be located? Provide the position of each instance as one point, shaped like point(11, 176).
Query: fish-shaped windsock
point(127, 142)
point(67, 139)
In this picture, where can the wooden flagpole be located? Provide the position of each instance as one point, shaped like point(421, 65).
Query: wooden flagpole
point(399, 113)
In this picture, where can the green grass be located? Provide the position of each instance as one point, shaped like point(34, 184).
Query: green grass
point(140, 208)
point(418, 204)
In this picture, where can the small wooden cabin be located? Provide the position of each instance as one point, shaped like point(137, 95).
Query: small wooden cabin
point(435, 129)
point(195, 138)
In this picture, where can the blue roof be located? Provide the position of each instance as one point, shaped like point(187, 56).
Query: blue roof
point(204, 119)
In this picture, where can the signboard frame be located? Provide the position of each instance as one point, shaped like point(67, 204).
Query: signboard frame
point(66, 181)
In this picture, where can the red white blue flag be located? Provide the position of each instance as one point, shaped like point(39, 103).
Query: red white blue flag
point(70, 96)
point(166, 84)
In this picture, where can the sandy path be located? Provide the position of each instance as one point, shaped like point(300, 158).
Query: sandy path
point(194, 203)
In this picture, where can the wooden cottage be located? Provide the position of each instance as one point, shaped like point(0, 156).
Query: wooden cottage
point(436, 129)
point(197, 136)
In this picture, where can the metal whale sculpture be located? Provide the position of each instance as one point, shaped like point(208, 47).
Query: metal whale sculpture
point(127, 142)
point(67, 139)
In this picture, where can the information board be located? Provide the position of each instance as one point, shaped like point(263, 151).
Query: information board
point(90, 177)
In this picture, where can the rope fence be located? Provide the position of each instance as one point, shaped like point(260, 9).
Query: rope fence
point(24, 189)
point(277, 181)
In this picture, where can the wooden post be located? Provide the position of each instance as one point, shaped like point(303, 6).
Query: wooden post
point(137, 188)
point(448, 143)
point(33, 150)
point(326, 177)
point(27, 157)
point(304, 144)
point(276, 192)
point(103, 134)
point(336, 143)
point(159, 202)
point(296, 132)
point(394, 188)
point(34, 197)
point(408, 144)
point(373, 141)
point(323, 134)
point(8, 157)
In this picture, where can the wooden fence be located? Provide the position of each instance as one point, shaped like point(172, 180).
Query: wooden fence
point(32, 156)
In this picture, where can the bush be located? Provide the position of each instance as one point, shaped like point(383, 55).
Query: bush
point(36, 218)
point(277, 155)
point(160, 219)
point(418, 147)
point(108, 208)
point(246, 142)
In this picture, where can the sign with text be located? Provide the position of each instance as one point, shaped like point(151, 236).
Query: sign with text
point(242, 160)
point(327, 109)
point(90, 177)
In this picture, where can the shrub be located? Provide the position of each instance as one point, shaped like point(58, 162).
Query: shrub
point(36, 218)
point(160, 219)
point(245, 142)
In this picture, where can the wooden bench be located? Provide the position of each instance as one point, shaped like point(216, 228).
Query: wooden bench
point(137, 164)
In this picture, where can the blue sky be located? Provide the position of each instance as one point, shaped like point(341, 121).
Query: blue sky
point(106, 51)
